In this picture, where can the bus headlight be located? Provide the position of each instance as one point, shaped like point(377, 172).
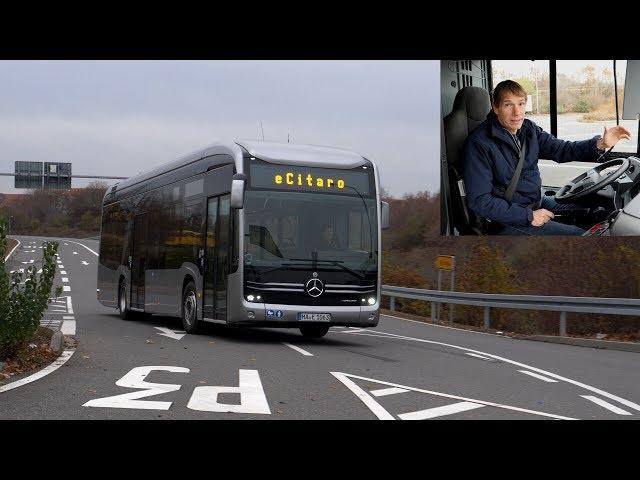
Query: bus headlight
point(371, 300)
point(254, 298)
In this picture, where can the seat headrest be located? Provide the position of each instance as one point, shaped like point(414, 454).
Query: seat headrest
point(474, 101)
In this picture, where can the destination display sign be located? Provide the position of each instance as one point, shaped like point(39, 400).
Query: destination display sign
point(311, 179)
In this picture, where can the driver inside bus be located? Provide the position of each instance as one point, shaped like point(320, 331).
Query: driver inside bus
point(329, 239)
point(490, 157)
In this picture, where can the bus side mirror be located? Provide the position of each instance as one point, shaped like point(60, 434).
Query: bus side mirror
point(385, 215)
point(237, 190)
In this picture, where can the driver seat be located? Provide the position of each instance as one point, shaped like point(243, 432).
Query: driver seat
point(470, 109)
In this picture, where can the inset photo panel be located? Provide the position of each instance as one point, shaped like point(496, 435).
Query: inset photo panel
point(540, 147)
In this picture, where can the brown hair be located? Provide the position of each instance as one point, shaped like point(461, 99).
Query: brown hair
point(507, 86)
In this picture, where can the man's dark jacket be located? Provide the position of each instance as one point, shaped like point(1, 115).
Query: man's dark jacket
point(489, 160)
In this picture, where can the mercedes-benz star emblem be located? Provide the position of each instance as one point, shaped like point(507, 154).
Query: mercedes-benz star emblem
point(315, 287)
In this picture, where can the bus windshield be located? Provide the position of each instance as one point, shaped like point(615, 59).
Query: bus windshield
point(285, 229)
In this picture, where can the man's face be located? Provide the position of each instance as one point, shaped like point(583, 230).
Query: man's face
point(510, 112)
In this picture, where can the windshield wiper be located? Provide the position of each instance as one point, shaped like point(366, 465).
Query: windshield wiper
point(337, 263)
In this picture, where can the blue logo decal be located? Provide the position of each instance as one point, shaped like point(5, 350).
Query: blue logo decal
point(279, 314)
point(270, 313)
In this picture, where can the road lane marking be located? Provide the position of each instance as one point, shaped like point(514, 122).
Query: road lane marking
point(440, 411)
point(383, 392)
point(63, 272)
point(611, 396)
point(551, 380)
point(75, 253)
point(65, 279)
point(135, 378)
point(252, 396)
point(68, 327)
point(40, 271)
point(298, 349)
point(12, 250)
point(85, 263)
point(78, 243)
point(69, 305)
point(476, 355)
point(606, 405)
point(382, 414)
point(176, 335)
point(66, 288)
point(68, 317)
point(64, 356)
point(60, 266)
point(377, 409)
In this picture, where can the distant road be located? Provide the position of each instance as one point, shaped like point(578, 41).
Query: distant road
point(402, 370)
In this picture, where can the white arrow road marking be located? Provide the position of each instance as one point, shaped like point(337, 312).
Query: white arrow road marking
point(606, 405)
point(298, 349)
point(85, 263)
point(375, 333)
point(176, 335)
point(379, 411)
point(540, 377)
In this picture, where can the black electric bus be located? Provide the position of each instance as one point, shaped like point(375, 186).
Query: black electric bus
point(247, 233)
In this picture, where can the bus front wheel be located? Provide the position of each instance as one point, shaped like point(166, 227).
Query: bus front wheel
point(189, 309)
point(314, 331)
point(123, 309)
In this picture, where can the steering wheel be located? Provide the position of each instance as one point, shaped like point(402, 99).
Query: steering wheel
point(591, 180)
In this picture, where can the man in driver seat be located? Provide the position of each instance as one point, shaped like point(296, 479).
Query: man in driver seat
point(490, 160)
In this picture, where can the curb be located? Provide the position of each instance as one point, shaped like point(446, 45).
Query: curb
point(586, 342)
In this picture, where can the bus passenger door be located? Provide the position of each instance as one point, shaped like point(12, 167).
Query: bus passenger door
point(138, 260)
point(217, 257)
point(210, 257)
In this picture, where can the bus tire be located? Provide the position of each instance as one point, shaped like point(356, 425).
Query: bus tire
point(123, 308)
point(190, 322)
point(314, 331)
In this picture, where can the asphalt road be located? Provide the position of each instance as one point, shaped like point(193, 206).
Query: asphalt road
point(399, 370)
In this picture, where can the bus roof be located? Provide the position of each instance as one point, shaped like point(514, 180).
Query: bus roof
point(272, 152)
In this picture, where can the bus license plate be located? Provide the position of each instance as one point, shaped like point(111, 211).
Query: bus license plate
point(315, 317)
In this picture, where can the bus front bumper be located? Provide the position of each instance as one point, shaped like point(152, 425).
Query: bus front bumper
point(273, 315)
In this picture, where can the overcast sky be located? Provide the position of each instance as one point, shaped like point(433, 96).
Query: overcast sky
point(123, 117)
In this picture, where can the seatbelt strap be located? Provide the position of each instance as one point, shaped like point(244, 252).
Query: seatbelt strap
point(516, 176)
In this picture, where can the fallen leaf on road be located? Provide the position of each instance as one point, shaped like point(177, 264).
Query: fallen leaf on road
point(280, 412)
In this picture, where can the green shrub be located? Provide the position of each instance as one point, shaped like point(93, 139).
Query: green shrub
point(22, 305)
point(583, 106)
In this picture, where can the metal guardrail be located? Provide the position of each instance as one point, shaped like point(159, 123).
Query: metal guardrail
point(611, 306)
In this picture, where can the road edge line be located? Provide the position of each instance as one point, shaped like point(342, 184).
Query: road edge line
point(52, 367)
point(14, 248)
